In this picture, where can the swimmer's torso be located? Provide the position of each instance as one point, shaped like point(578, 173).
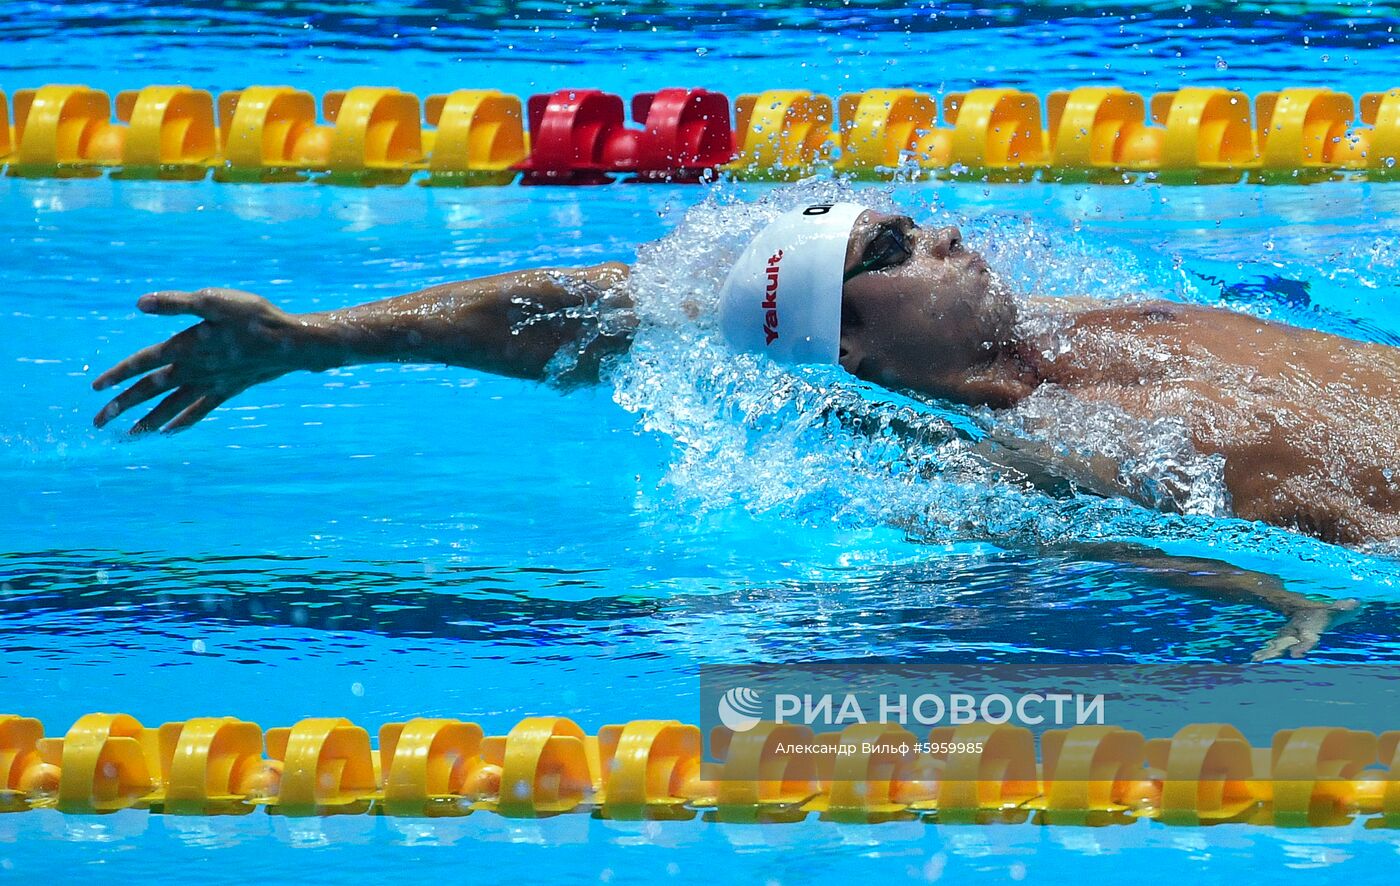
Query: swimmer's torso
point(1308, 423)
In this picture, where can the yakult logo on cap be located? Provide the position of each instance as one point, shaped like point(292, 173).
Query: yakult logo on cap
point(770, 299)
point(782, 297)
point(770, 292)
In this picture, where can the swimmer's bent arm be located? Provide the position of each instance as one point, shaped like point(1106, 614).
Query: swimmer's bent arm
point(509, 324)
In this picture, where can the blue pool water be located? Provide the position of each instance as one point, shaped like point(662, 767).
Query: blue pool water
point(384, 542)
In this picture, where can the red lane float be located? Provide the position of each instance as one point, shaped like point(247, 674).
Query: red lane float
point(578, 136)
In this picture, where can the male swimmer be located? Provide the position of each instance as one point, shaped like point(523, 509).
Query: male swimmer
point(1308, 423)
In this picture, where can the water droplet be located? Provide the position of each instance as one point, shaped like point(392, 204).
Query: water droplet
point(1221, 64)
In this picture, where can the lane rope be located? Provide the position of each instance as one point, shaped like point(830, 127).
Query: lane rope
point(382, 135)
point(657, 769)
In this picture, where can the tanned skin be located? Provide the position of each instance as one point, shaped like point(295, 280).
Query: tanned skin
point(1308, 423)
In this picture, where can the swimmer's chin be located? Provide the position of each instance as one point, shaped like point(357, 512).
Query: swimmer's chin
point(998, 311)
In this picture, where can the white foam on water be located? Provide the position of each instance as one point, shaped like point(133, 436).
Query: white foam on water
point(816, 445)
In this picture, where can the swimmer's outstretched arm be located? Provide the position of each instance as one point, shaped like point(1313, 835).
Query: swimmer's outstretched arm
point(1305, 618)
point(509, 324)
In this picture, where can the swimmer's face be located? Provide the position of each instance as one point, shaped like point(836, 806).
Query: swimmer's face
point(917, 301)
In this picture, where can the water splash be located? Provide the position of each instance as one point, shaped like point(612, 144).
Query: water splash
point(815, 445)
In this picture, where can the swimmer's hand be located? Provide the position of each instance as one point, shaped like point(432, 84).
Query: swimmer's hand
point(242, 340)
point(1304, 628)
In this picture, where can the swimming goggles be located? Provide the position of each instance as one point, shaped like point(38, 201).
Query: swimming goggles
point(888, 248)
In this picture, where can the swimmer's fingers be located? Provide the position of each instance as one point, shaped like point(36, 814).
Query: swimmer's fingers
point(1275, 647)
point(1303, 630)
point(174, 403)
point(157, 382)
point(1311, 625)
point(184, 407)
point(145, 360)
point(196, 411)
point(211, 304)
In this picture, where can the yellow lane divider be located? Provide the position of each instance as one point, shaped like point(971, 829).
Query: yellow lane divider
point(774, 772)
point(383, 135)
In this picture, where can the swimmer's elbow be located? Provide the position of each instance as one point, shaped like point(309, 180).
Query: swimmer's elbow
point(608, 274)
point(608, 278)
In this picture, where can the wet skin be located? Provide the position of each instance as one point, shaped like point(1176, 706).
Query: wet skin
point(1308, 423)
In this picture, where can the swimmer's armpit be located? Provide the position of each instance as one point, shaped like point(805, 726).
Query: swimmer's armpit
point(510, 324)
point(1057, 472)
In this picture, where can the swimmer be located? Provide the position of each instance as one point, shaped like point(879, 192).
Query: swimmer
point(1307, 423)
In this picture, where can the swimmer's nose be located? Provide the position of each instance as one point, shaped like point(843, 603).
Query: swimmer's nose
point(946, 241)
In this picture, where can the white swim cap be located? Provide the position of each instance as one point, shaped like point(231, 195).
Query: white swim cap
point(783, 296)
